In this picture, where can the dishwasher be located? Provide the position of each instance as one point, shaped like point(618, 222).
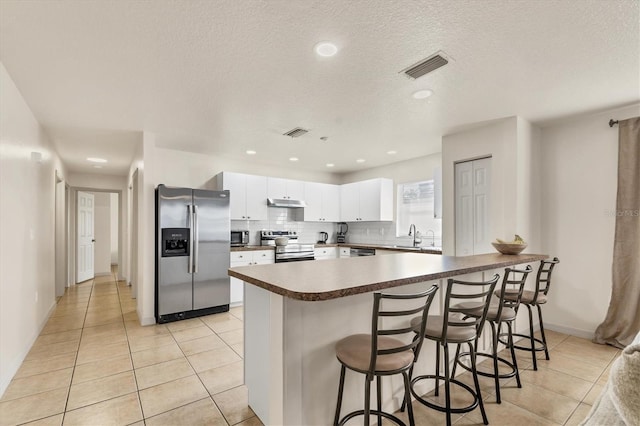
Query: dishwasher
point(357, 252)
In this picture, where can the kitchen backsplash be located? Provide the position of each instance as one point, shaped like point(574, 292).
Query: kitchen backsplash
point(281, 219)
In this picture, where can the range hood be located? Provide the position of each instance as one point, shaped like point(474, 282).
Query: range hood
point(283, 202)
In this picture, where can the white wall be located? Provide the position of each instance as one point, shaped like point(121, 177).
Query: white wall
point(579, 184)
point(27, 215)
point(102, 233)
point(113, 202)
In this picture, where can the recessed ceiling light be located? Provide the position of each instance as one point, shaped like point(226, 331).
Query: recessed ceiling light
point(326, 49)
point(392, 152)
point(96, 160)
point(360, 160)
point(422, 94)
point(330, 164)
point(251, 152)
point(293, 159)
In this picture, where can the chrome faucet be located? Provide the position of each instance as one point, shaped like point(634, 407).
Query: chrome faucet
point(413, 232)
point(433, 237)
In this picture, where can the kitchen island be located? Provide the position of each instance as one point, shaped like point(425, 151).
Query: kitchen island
point(296, 312)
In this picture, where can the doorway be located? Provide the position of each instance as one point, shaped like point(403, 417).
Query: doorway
point(97, 239)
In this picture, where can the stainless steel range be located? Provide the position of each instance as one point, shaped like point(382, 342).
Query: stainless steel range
point(292, 252)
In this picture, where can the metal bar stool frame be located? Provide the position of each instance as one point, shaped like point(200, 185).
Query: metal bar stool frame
point(505, 312)
point(371, 372)
point(443, 339)
point(539, 297)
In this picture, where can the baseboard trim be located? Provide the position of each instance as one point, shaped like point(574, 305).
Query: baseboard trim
point(577, 332)
point(147, 321)
point(7, 375)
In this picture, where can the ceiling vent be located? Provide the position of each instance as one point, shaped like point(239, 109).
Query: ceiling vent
point(296, 133)
point(426, 66)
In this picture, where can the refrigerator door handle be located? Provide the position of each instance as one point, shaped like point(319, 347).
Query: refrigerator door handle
point(196, 243)
point(190, 218)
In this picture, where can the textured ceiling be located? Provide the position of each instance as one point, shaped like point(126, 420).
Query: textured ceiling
point(221, 77)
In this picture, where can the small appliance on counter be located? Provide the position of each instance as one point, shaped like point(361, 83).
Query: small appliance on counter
point(342, 232)
point(239, 238)
point(323, 238)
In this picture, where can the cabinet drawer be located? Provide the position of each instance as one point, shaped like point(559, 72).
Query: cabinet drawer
point(263, 255)
point(240, 256)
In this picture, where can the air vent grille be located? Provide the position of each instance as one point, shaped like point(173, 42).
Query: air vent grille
point(296, 133)
point(426, 66)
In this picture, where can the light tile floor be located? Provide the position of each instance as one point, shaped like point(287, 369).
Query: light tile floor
point(94, 364)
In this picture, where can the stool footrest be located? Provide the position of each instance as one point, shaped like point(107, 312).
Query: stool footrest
point(353, 414)
point(537, 348)
point(457, 410)
point(508, 375)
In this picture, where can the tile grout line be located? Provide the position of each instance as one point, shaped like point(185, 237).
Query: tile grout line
point(198, 375)
point(75, 362)
point(126, 333)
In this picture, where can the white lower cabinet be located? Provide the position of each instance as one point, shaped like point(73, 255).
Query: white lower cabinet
point(246, 258)
point(326, 253)
point(345, 251)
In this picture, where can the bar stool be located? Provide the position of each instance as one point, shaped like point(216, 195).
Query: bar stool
point(453, 327)
point(535, 298)
point(504, 311)
point(378, 354)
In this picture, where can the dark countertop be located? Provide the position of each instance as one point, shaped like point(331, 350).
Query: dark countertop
point(252, 248)
point(424, 249)
point(334, 278)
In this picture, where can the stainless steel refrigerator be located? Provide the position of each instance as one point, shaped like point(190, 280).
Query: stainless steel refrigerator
point(192, 254)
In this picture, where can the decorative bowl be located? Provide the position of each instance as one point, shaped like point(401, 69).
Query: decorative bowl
point(506, 248)
point(282, 241)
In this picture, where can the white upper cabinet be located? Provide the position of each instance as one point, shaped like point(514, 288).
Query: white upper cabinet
point(248, 195)
point(323, 202)
point(369, 200)
point(286, 189)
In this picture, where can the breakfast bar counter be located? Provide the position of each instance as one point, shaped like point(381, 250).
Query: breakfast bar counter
point(295, 313)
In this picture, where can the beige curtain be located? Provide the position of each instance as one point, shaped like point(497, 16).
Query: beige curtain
point(623, 317)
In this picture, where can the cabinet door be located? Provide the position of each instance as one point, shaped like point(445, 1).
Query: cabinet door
point(345, 252)
point(276, 188)
point(349, 202)
point(330, 203)
point(236, 296)
point(313, 196)
point(369, 200)
point(295, 189)
point(236, 184)
point(256, 191)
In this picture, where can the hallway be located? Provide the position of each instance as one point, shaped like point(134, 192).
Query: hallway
point(94, 364)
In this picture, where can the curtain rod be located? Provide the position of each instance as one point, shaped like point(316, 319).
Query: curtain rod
point(612, 122)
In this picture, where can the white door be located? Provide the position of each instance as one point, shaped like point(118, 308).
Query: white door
point(369, 200)
point(472, 201)
point(85, 236)
point(464, 208)
point(481, 197)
